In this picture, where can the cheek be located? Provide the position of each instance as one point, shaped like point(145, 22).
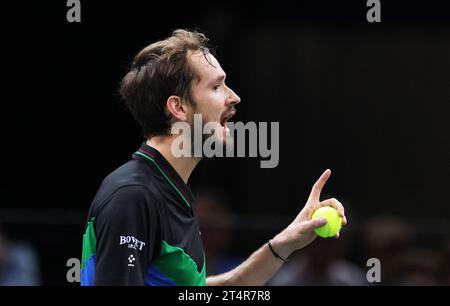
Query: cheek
point(211, 107)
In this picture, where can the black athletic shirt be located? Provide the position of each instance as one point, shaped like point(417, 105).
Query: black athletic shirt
point(141, 228)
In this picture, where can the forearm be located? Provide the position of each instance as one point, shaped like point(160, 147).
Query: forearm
point(255, 271)
point(263, 264)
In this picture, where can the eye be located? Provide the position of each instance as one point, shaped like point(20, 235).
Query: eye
point(216, 87)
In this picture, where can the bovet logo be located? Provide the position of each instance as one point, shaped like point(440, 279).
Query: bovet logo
point(132, 242)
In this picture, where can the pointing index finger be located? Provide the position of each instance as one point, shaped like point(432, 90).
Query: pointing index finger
point(314, 196)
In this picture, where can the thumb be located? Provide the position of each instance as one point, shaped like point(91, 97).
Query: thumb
point(314, 223)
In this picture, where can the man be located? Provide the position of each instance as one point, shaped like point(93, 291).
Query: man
point(141, 227)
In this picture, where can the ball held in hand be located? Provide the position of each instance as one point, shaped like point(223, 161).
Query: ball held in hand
point(334, 222)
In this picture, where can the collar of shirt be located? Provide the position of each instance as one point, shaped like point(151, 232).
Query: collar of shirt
point(153, 156)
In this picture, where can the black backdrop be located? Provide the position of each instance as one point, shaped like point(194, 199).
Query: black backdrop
point(369, 101)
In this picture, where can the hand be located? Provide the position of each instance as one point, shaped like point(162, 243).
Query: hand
point(300, 232)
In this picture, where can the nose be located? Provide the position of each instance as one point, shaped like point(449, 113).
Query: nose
point(232, 98)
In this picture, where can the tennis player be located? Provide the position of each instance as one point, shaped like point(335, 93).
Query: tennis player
point(141, 227)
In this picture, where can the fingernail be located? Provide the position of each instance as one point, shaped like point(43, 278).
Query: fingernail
point(321, 222)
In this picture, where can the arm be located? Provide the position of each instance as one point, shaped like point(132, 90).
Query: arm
point(126, 231)
point(263, 264)
point(256, 270)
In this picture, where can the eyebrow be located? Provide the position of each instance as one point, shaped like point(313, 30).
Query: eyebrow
point(221, 77)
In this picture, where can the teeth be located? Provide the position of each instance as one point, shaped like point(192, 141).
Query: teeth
point(224, 121)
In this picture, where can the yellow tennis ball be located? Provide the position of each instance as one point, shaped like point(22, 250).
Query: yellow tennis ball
point(334, 222)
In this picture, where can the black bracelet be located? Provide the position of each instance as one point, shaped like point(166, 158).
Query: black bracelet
point(275, 253)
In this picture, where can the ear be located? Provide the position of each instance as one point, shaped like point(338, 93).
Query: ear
point(176, 108)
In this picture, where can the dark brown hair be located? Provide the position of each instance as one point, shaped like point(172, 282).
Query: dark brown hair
point(158, 71)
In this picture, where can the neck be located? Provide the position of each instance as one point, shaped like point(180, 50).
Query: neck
point(182, 165)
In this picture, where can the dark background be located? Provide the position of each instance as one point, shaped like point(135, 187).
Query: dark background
point(369, 101)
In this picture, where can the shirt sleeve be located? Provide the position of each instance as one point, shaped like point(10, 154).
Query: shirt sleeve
point(127, 230)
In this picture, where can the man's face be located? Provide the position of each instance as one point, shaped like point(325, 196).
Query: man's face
point(211, 97)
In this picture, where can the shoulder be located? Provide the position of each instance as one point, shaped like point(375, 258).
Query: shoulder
point(129, 206)
point(135, 171)
point(134, 182)
point(127, 201)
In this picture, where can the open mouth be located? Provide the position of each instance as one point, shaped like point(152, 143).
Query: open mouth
point(227, 117)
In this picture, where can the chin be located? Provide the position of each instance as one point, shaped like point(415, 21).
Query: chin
point(221, 139)
point(227, 141)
